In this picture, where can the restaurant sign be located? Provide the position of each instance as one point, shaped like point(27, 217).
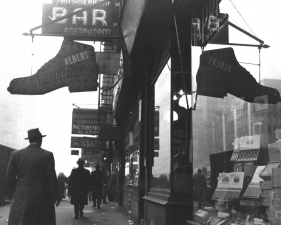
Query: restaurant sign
point(86, 142)
point(208, 24)
point(74, 66)
point(100, 21)
point(87, 121)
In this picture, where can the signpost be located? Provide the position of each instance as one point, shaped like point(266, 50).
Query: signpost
point(100, 21)
point(74, 152)
point(74, 66)
point(87, 142)
point(110, 133)
point(87, 121)
point(109, 63)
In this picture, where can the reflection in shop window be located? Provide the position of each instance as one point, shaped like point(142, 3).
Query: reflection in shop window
point(162, 131)
point(246, 132)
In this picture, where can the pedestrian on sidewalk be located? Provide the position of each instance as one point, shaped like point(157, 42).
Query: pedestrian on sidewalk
point(97, 181)
point(32, 178)
point(62, 179)
point(79, 187)
point(105, 186)
point(112, 186)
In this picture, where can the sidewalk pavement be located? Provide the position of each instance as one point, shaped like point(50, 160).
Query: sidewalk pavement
point(108, 214)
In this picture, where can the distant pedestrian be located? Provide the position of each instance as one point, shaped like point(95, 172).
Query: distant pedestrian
point(200, 187)
point(112, 186)
point(79, 187)
point(97, 181)
point(105, 186)
point(62, 180)
point(32, 178)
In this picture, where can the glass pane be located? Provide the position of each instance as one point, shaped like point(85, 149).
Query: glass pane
point(162, 131)
point(231, 137)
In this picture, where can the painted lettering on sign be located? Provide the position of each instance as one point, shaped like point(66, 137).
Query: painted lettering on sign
point(76, 58)
point(94, 22)
point(87, 31)
point(80, 2)
point(220, 64)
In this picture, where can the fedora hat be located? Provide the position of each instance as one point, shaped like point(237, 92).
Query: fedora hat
point(80, 161)
point(34, 133)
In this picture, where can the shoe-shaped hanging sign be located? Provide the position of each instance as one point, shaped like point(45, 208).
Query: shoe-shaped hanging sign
point(74, 66)
point(220, 73)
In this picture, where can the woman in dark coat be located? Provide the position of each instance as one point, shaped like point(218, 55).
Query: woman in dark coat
point(62, 179)
point(79, 184)
point(97, 181)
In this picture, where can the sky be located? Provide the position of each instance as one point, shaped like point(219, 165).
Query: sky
point(20, 57)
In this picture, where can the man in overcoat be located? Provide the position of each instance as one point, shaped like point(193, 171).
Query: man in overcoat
point(31, 176)
point(79, 187)
point(200, 187)
point(97, 181)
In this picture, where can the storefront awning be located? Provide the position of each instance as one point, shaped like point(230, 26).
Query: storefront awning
point(245, 155)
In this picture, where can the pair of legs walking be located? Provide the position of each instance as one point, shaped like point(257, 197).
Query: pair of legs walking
point(97, 202)
point(78, 209)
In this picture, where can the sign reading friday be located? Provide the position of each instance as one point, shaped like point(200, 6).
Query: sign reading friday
point(96, 22)
point(87, 121)
point(74, 66)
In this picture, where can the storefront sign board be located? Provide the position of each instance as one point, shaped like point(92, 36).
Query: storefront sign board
point(209, 23)
point(74, 152)
point(96, 22)
point(110, 133)
point(108, 63)
point(87, 121)
point(91, 155)
point(74, 66)
point(87, 142)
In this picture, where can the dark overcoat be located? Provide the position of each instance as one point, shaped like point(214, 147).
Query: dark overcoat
point(97, 181)
point(79, 186)
point(200, 184)
point(32, 178)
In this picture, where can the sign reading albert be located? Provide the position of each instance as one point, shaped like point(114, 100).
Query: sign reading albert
point(87, 121)
point(95, 22)
point(74, 66)
point(86, 142)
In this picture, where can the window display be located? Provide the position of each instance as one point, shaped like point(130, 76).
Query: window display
point(162, 130)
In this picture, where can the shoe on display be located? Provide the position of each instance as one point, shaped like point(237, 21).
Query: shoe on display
point(220, 73)
point(74, 66)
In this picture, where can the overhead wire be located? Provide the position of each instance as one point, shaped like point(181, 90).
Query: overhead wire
point(243, 18)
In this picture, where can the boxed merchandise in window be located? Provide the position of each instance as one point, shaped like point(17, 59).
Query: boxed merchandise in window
point(266, 201)
point(267, 184)
point(276, 190)
point(266, 193)
point(276, 183)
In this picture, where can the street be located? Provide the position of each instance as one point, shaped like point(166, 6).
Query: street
point(108, 214)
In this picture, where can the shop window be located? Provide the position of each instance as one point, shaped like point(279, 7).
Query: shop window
point(162, 131)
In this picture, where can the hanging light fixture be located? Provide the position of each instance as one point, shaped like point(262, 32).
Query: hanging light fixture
point(190, 101)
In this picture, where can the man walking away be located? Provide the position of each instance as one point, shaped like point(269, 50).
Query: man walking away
point(32, 178)
point(97, 181)
point(200, 187)
point(79, 184)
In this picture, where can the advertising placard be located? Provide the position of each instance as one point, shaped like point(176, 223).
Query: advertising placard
point(95, 22)
point(87, 121)
point(87, 142)
point(110, 133)
point(74, 66)
point(108, 62)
